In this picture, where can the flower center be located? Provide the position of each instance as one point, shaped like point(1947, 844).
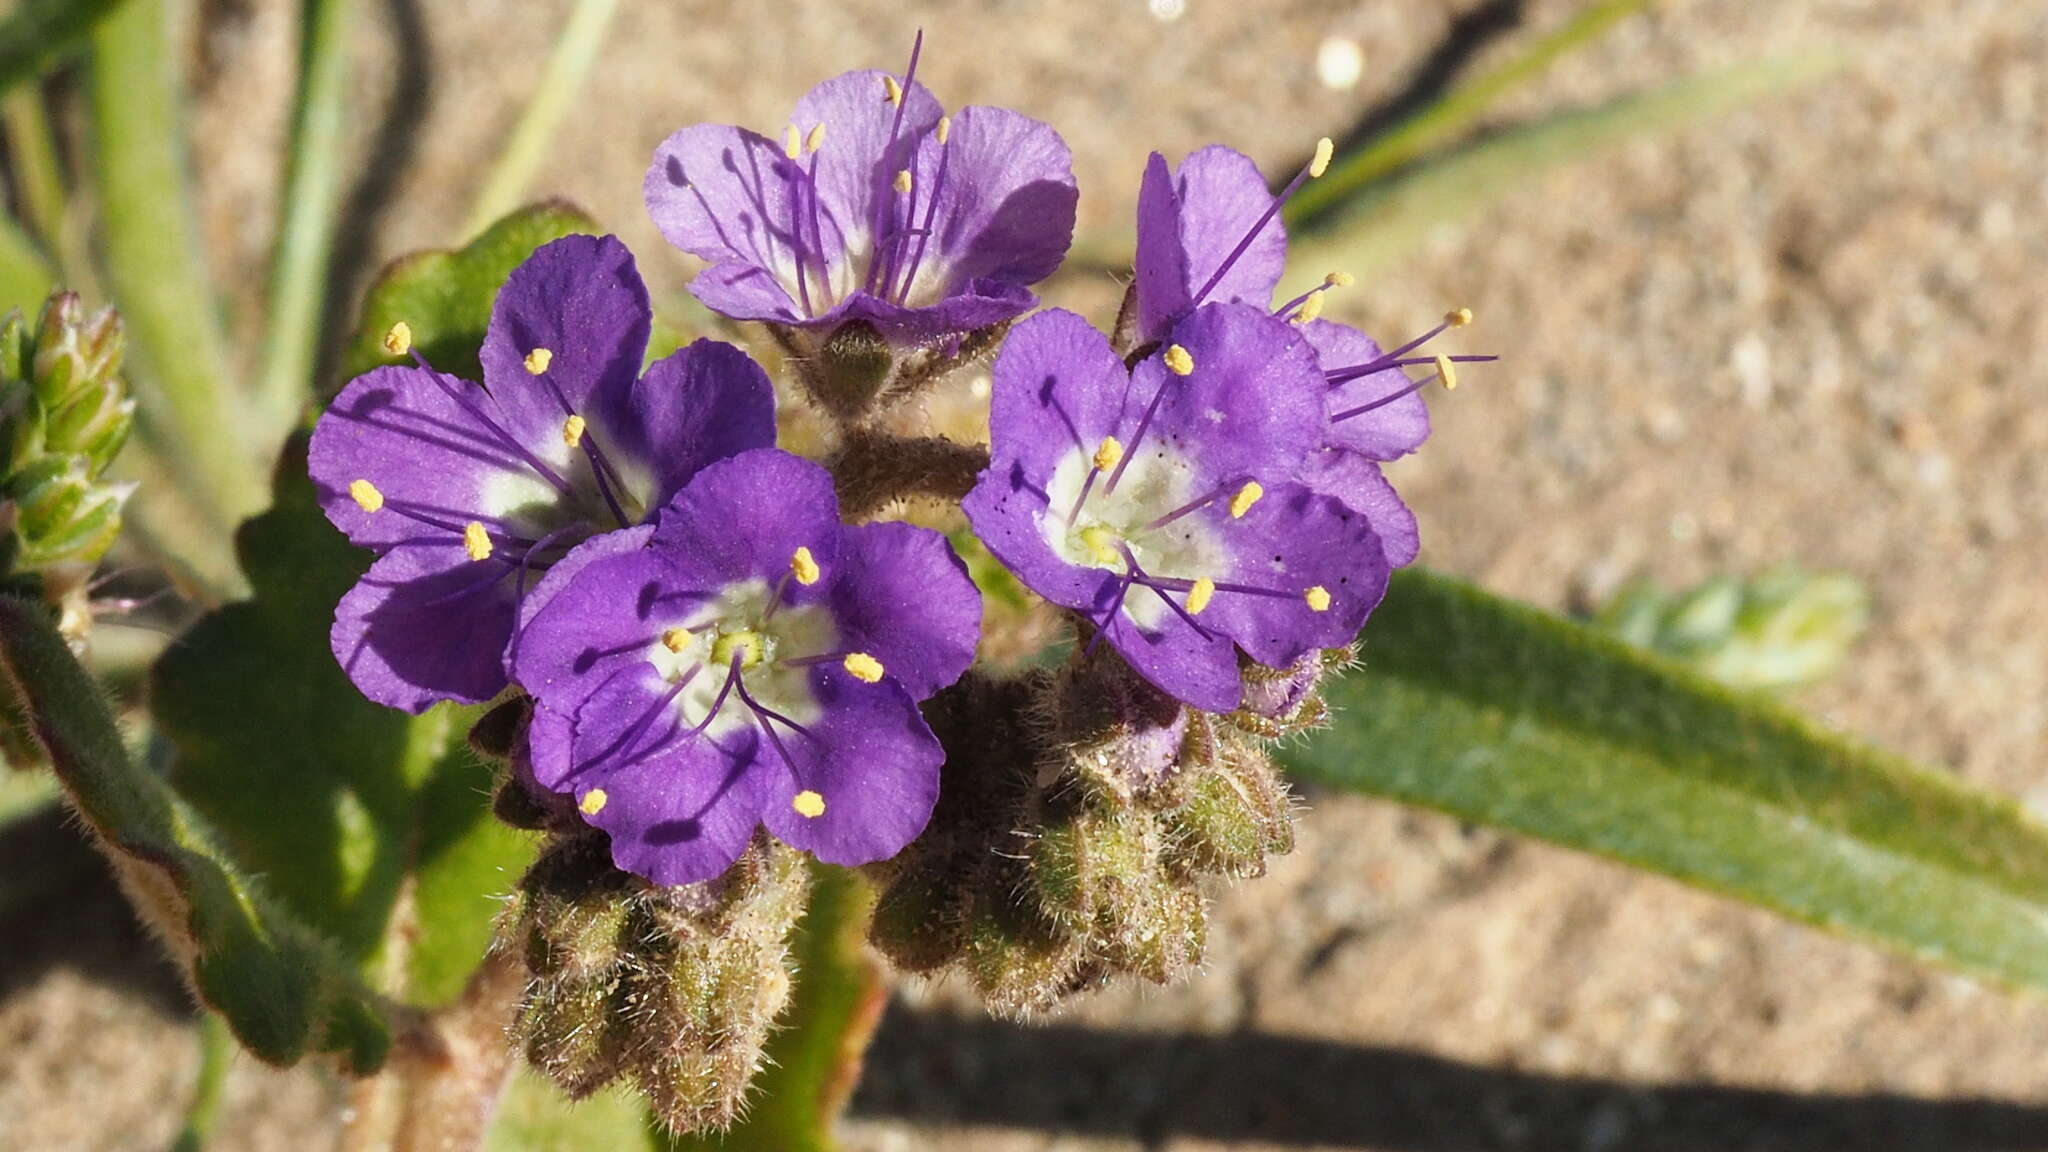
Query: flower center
point(1093, 525)
point(741, 641)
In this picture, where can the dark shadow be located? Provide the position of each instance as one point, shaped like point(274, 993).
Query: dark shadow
point(390, 155)
point(932, 1068)
point(60, 908)
point(1468, 35)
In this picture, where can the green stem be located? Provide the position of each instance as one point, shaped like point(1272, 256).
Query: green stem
point(1454, 113)
point(154, 261)
point(216, 1057)
point(37, 32)
point(298, 272)
point(527, 146)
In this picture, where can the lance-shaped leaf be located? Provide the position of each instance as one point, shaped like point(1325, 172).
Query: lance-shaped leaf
point(281, 989)
point(1499, 713)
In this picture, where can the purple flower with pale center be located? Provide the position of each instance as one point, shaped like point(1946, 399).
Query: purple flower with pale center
point(1167, 504)
point(748, 660)
point(1212, 232)
point(876, 207)
point(468, 493)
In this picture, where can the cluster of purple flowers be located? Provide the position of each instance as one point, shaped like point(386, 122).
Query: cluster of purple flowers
point(709, 649)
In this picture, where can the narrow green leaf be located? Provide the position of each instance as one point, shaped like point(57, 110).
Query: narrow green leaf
point(38, 173)
point(1387, 219)
point(25, 276)
point(216, 1059)
point(38, 33)
point(814, 1060)
point(298, 271)
point(536, 1117)
point(280, 989)
point(445, 296)
point(524, 150)
point(1459, 109)
point(1498, 713)
point(154, 261)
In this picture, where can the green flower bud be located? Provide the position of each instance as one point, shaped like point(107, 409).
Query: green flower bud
point(62, 516)
point(1237, 813)
point(1022, 960)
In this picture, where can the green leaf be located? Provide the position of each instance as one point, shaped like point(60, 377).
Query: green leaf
point(348, 808)
point(155, 264)
point(1780, 631)
point(281, 989)
point(814, 1060)
point(1457, 111)
point(445, 296)
point(1387, 218)
point(576, 48)
point(25, 276)
point(1498, 713)
point(306, 217)
point(38, 33)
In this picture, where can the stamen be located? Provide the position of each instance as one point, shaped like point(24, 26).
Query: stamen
point(1309, 310)
point(537, 361)
point(891, 90)
point(366, 495)
point(863, 667)
point(572, 431)
point(1245, 498)
point(894, 93)
point(944, 130)
point(1447, 373)
point(816, 139)
point(1316, 167)
point(1346, 280)
point(398, 341)
point(676, 639)
point(792, 142)
point(1318, 599)
point(593, 801)
point(1458, 317)
point(902, 182)
point(476, 541)
point(808, 804)
point(1199, 595)
point(1178, 361)
point(803, 566)
point(1108, 453)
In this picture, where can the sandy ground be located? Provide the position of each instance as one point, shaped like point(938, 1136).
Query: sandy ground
point(1810, 331)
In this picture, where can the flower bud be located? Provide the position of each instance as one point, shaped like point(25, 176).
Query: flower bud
point(1022, 961)
point(62, 515)
point(1237, 812)
point(850, 369)
point(1282, 702)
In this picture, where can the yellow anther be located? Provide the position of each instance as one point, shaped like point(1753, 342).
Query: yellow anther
point(792, 142)
point(398, 340)
point(902, 182)
point(675, 639)
point(863, 667)
point(803, 566)
point(816, 139)
point(593, 801)
point(1245, 498)
point(945, 129)
point(365, 495)
point(1108, 454)
point(1447, 373)
point(1310, 309)
point(1321, 164)
point(808, 804)
point(1101, 544)
point(1318, 599)
point(537, 361)
point(1198, 596)
point(1458, 317)
point(476, 541)
point(572, 431)
point(1339, 280)
point(891, 90)
point(1178, 361)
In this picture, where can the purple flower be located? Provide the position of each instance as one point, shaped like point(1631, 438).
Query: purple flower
point(468, 493)
point(875, 207)
point(1167, 505)
point(1211, 232)
point(748, 660)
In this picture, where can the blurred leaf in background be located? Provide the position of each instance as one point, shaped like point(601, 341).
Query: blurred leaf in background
point(1780, 631)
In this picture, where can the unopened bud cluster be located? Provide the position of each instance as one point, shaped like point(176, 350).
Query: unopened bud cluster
point(64, 414)
point(1081, 811)
point(673, 988)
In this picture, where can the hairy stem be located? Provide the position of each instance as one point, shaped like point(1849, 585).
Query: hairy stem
point(873, 469)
